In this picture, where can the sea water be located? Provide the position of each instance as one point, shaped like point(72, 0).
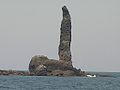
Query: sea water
point(60, 83)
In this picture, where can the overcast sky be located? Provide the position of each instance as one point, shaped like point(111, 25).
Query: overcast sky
point(32, 27)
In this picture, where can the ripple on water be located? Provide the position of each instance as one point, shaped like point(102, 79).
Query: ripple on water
point(58, 83)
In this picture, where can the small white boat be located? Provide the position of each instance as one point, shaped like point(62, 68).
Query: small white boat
point(91, 75)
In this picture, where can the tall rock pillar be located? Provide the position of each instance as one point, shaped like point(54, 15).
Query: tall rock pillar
point(65, 37)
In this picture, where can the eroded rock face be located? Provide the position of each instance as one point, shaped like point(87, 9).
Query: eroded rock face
point(41, 65)
point(41, 70)
point(36, 61)
point(65, 37)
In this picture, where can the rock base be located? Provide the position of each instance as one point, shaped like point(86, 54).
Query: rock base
point(42, 66)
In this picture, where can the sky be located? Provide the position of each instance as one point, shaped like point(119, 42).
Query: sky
point(32, 27)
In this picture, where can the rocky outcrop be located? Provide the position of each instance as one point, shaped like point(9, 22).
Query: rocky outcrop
point(14, 72)
point(41, 65)
point(65, 37)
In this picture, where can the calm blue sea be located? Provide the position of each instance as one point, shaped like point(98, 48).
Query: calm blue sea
point(60, 83)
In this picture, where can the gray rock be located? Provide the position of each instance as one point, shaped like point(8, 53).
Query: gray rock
point(64, 63)
point(41, 65)
point(41, 70)
point(14, 72)
point(65, 36)
point(38, 63)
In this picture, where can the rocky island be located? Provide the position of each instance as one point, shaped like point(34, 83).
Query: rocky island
point(43, 66)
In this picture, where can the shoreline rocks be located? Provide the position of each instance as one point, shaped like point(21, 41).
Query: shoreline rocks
point(14, 73)
point(60, 73)
point(49, 64)
point(42, 66)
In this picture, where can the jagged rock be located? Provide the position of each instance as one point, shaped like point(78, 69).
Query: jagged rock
point(36, 61)
point(41, 65)
point(41, 70)
point(64, 63)
point(65, 37)
point(50, 64)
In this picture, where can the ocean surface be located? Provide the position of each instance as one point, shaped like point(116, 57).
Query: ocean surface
point(109, 81)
